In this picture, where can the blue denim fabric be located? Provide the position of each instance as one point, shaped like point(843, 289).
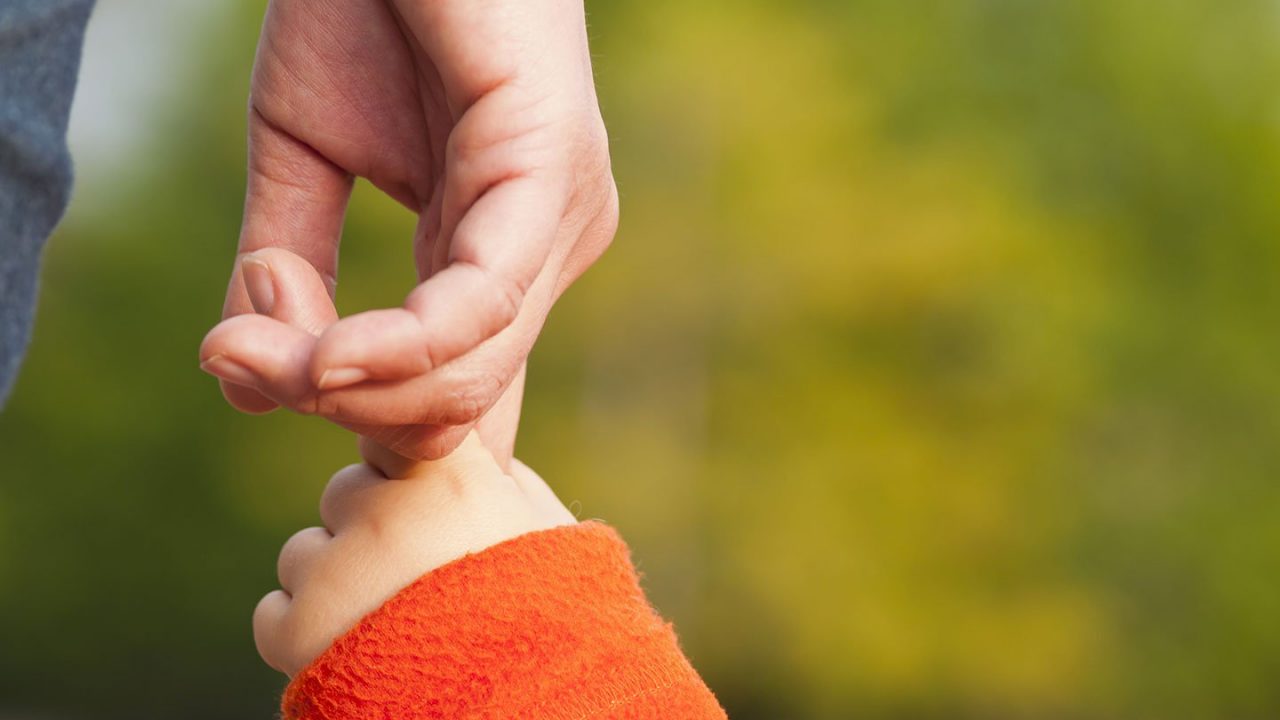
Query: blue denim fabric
point(40, 43)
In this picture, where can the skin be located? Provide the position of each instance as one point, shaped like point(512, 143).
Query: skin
point(503, 157)
point(387, 522)
point(287, 291)
point(390, 519)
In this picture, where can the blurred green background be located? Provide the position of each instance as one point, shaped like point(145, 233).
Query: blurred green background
point(933, 372)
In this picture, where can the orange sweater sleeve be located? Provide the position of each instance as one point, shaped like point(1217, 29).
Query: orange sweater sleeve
point(551, 625)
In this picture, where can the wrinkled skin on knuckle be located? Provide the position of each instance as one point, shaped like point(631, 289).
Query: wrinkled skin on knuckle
point(594, 223)
point(594, 206)
point(466, 143)
point(495, 136)
point(472, 398)
point(603, 226)
point(507, 298)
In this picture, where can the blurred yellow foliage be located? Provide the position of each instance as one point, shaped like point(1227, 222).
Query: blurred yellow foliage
point(932, 373)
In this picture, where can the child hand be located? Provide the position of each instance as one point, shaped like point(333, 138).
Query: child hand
point(387, 522)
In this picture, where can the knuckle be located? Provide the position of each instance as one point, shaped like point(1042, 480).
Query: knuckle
point(508, 296)
point(473, 399)
point(611, 213)
point(263, 616)
point(469, 141)
point(595, 200)
point(604, 226)
point(467, 407)
point(433, 355)
point(593, 166)
point(298, 552)
point(304, 542)
point(268, 617)
point(599, 225)
point(339, 495)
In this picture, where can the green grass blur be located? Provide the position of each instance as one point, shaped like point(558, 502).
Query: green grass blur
point(933, 372)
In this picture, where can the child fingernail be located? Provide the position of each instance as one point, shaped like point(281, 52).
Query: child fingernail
point(335, 378)
point(229, 370)
point(259, 284)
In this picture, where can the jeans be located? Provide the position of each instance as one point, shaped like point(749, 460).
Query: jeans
point(40, 44)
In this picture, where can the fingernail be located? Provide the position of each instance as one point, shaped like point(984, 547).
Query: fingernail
point(259, 283)
point(229, 370)
point(334, 378)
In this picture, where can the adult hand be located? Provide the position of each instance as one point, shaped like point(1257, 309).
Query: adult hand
point(478, 116)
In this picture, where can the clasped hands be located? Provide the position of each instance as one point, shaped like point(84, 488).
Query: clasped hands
point(481, 118)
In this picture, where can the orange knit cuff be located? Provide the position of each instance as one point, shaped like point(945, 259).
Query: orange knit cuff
point(552, 624)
